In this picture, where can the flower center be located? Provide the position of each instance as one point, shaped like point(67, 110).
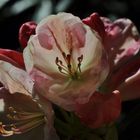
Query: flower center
point(70, 69)
point(23, 122)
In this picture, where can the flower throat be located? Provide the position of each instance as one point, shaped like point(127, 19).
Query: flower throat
point(69, 69)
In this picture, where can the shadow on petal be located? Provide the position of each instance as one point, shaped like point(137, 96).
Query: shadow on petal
point(20, 114)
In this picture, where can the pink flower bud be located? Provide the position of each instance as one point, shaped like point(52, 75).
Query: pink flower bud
point(26, 30)
point(95, 23)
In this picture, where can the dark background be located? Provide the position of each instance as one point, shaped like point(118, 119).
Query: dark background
point(15, 12)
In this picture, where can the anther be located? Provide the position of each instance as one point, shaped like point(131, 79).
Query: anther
point(68, 58)
point(80, 60)
point(64, 55)
point(11, 109)
point(69, 69)
point(13, 126)
point(9, 116)
point(57, 60)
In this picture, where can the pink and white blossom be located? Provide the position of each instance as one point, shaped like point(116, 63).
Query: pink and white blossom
point(67, 60)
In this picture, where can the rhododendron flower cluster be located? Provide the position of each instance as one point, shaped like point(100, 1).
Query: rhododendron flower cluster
point(71, 71)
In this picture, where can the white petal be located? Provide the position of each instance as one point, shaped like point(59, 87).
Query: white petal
point(15, 79)
point(41, 58)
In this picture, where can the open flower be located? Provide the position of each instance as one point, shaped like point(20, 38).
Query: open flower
point(22, 110)
point(66, 59)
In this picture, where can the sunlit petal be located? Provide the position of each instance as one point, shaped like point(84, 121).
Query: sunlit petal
point(62, 64)
point(15, 79)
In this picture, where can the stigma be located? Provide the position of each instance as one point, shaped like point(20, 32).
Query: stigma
point(70, 68)
point(22, 122)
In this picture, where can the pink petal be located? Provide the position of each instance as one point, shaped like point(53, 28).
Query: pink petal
point(119, 74)
point(122, 45)
point(117, 35)
point(15, 79)
point(26, 30)
point(46, 38)
point(100, 110)
point(70, 27)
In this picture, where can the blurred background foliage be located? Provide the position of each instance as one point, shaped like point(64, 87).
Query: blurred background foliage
point(13, 13)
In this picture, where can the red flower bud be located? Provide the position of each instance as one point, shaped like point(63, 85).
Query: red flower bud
point(26, 30)
point(95, 23)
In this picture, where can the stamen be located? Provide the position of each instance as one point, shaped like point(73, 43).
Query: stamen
point(25, 121)
point(12, 110)
point(64, 55)
point(69, 70)
point(80, 59)
point(4, 132)
point(28, 126)
point(61, 67)
point(79, 64)
point(68, 58)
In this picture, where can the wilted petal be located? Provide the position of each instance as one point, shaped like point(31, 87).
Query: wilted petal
point(100, 110)
point(15, 79)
